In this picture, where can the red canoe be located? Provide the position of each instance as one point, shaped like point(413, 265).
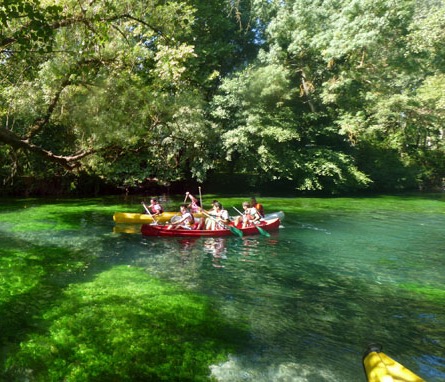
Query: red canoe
point(161, 230)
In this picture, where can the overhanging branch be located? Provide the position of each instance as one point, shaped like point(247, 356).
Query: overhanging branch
point(69, 162)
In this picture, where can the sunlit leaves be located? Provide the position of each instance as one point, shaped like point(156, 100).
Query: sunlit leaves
point(362, 62)
point(122, 81)
point(427, 34)
point(170, 62)
point(432, 92)
point(266, 132)
point(27, 23)
point(111, 64)
point(133, 84)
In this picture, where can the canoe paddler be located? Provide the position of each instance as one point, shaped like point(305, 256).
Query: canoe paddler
point(154, 207)
point(259, 207)
point(219, 217)
point(186, 221)
point(194, 205)
point(249, 216)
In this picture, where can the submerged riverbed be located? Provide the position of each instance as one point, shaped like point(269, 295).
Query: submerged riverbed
point(83, 300)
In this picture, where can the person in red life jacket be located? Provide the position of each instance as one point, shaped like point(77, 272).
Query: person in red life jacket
point(250, 216)
point(186, 221)
point(259, 207)
point(155, 208)
point(194, 205)
point(195, 208)
point(219, 217)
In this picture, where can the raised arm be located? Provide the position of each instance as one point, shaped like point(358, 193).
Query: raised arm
point(192, 198)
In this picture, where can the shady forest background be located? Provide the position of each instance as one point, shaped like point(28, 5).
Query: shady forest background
point(334, 96)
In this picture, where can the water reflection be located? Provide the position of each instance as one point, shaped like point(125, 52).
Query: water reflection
point(187, 244)
point(224, 251)
point(127, 228)
point(216, 247)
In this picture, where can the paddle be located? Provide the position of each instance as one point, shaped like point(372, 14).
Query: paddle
point(234, 230)
point(148, 212)
point(261, 230)
point(200, 196)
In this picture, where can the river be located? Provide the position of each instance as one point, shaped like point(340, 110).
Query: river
point(340, 273)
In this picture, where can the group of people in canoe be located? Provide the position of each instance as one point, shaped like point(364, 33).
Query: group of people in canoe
point(215, 218)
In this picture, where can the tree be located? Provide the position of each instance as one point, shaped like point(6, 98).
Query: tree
point(274, 122)
point(112, 88)
point(172, 90)
point(89, 53)
point(336, 86)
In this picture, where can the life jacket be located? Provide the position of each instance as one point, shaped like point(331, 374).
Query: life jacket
point(154, 210)
point(190, 219)
point(219, 213)
point(260, 209)
point(194, 207)
point(251, 214)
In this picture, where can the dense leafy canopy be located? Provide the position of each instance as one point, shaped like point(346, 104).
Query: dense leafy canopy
point(325, 95)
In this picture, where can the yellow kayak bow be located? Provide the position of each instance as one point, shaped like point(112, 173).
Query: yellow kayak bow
point(127, 217)
point(381, 368)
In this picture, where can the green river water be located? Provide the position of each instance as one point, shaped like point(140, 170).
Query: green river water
point(81, 300)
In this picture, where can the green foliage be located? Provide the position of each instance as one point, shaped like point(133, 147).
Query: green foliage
point(266, 134)
point(343, 77)
point(28, 24)
point(426, 35)
point(176, 92)
point(121, 83)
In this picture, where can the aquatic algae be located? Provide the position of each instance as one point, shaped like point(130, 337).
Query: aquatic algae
point(39, 215)
point(124, 325)
point(433, 294)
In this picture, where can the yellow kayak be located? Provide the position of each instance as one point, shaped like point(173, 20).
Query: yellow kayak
point(128, 217)
point(381, 368)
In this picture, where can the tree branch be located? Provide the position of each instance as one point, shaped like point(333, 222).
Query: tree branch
point(77, 19)
point(40, 123)
point(69, 162)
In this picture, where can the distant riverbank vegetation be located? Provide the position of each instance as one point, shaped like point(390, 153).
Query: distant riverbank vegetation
point(236, 95)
